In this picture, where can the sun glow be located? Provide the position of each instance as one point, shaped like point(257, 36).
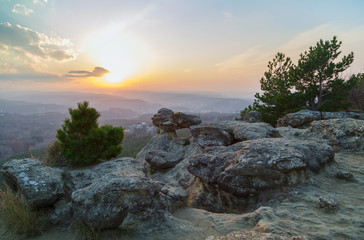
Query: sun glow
point(124, 56)
point(118, 61)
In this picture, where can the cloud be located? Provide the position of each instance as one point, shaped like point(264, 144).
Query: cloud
point(21, 9)
point(97, 72)
point(40, 1)
point(227, 14)
point(35, 44)
point(252, 57)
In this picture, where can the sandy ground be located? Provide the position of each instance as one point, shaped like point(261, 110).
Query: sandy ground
point(295, 213)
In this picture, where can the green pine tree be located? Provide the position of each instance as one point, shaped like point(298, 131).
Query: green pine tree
point(83, 142)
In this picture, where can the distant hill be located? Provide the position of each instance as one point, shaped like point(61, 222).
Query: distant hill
point(23, 107)
point(139, 102)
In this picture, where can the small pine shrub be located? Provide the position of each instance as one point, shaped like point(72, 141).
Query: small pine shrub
point(19, 218)
point(83, 142)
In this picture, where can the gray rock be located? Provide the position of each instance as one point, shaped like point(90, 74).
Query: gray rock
point(344, 175)
point(341, 134)
point(305, 117)
point(328, 204)
point(254, 235)
point(160, 159)
point(211, 136)
point(227, 132)
point(178, 175)
point(112, 191)
point(232, 175)
point(248, 131)
point(183, 120)
point(161, 142)
point(168, 121)
point(41, 186)
point(62, 214)
point(290, 132)
point(252, 117)
point(182, 141)
point(163, 115)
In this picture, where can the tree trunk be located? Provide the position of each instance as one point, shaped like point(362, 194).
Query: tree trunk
point(319, 97)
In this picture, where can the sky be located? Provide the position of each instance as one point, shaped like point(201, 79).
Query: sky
point(220, 46)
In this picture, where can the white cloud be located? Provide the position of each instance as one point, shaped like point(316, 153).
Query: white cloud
point(40, 1)
point(25, 54)
point(35, 44)
point(252, 57)
point(227, 14)
point(258, 56)
point(21, 9)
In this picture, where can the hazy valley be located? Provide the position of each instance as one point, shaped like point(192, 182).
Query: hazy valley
point(30, 120)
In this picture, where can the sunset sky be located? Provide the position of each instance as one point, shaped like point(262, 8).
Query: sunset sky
point(164, 45)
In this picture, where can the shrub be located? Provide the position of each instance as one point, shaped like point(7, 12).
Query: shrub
point(19, 217)
point(83, 142)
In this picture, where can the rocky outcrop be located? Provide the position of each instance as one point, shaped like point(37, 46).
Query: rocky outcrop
point(252, 117)
point(40, 185)
point(101, 196)
point(167, 152)
point(168, 121)
point(160, 159)
point(305, 117)
point(225, 166)
point(228, 132)
point(105, 195)
point(237, 175)
point(341, 134)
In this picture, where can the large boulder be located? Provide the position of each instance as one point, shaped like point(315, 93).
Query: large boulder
point(341, 134)
point(168, 121)
point(103, 196)
point(162, 151)
point(183, 120)
point(305, 117)
point(163, 115)
point(160, 159)
point(211, 135)
point(234, 176)
point(162, 142)
point(228, 132)
point(252, 117)
point(40, 185)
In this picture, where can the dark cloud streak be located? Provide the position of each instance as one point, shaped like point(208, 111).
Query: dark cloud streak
point(97, 72)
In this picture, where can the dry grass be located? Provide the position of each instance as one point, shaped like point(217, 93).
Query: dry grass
point(84, 232)
point(19, 218)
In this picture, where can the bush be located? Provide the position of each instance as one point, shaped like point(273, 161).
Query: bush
point(19, 217)
point(83, 142)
